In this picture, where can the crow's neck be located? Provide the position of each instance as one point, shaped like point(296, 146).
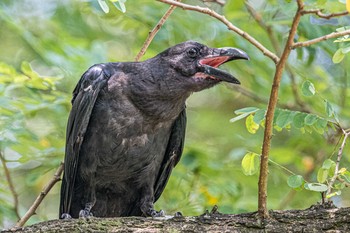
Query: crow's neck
point(158, 97)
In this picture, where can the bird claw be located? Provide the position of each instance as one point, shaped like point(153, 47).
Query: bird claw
point(66, 216)
point(178, 214)
point(156, 214)
point(85, 213)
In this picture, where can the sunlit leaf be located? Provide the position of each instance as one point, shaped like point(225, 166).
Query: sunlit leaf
point(338, 56)
point(250, 163)
point(246, 110)
point(327, 164)
point(322, 175)
point(295, 181)
point(103, 6)
point(317, 187)
point(308, 88)
point(251, 126)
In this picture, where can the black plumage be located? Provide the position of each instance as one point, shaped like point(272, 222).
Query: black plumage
point(126, 129)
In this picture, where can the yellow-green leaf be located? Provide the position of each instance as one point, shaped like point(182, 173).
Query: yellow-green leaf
point(250, 163)
point(251, 126)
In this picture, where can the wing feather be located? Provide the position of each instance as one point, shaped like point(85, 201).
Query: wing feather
point(172, 154)
point(83, 102)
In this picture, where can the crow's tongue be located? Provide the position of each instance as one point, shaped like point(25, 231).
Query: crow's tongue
point(214, 61)
point(209, 66)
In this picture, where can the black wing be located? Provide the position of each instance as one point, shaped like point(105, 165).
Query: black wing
point(172, 154)
point(84, 98)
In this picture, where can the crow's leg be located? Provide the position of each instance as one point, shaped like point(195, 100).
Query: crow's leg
point(89, 198)
point(147, 207)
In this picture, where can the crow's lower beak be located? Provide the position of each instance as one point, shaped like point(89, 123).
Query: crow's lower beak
point(209, 64)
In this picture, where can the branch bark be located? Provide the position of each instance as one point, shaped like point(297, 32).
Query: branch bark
point(319, 13)
point(314, 219)
point(263, 177)
point(40, 198)
point(11, 186)
point(319, 39)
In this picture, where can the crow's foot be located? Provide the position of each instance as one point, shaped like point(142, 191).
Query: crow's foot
point(66, 216)
point(85, 213)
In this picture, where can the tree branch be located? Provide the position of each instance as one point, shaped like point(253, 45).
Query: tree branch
point(154, 31)
point(336, 170)
point(40, 198)
point(230, 26)
point(263, 177)
point(11, 186)
point(319, 13)
point(319, 39)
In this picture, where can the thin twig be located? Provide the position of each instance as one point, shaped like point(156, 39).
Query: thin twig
point(337, 163)
point(154, 31)
point(319, 13)
point(319, 39)
point(40, 198)
point(11, 186)
point(229, 25)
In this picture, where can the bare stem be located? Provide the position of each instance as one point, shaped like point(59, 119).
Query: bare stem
point(229, 25)
point(337, 163)
point(40, 198)
point(319, 13)
point(319, 39)
point(11, 186)
point(154, 31)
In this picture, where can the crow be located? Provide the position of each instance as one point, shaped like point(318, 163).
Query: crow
point(126, 129)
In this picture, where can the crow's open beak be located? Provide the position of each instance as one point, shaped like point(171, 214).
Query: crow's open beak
point(209, 64)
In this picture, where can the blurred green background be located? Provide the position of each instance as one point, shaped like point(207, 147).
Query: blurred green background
point(47, 45)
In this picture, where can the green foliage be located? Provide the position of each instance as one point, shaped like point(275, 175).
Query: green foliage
point(61, 39)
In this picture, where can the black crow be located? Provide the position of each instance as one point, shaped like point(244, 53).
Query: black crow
point(126, 129)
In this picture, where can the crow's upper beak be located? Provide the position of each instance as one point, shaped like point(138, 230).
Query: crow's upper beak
point(210, 63)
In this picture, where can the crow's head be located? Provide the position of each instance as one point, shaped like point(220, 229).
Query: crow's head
point(198, 64)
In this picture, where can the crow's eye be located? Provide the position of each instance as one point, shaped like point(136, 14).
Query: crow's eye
point(192, 52)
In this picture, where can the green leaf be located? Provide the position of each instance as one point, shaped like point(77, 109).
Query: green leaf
point(346, 176)
point(327, 164)
point(246, 110)
point(308, 88)
point(239, 117)
point(320, 126)
point(338, 56)
point(250, 163)
point(345, 50)
point(119, 5)
point(322, 175)
point(299, 120)
point(284, 118)
point(310, 119)
point(103, 6)
point(259, 116)
point(329, 109)
point(316, 187)
point(251, 126)
point(295, 181)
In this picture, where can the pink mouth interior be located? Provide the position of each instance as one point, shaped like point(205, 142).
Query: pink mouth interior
point(214, 61)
